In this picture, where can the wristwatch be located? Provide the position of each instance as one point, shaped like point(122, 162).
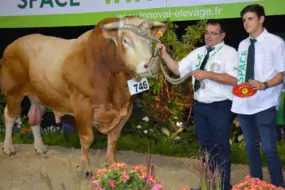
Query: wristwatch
point(265, 85)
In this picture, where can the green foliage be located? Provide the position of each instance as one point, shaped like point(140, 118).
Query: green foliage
point(172, 137)
point(167, 103)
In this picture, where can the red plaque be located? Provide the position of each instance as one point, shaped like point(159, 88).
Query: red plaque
point(243, 90)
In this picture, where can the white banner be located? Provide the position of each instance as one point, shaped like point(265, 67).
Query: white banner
point(48, 7)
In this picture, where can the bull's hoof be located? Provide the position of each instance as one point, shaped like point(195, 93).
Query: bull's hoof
point(8, 150)
point(88, 174)
point(40, 149)
point(84, 170)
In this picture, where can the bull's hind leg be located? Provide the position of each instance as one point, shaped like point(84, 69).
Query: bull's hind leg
point(11, 112)
point(35, 115)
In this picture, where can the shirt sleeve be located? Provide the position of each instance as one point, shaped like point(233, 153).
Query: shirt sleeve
point(231, 67)
point(186, 64)
point(278, 57)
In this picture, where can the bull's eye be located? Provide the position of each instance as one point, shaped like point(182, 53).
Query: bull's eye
point(126, 42)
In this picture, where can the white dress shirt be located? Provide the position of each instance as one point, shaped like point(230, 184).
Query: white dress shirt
point(223, 59)
point(269, 61)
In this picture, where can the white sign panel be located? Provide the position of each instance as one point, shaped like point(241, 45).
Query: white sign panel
point(47, 7)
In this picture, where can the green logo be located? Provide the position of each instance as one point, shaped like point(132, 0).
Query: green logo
point(118, 1)
point(48, 3)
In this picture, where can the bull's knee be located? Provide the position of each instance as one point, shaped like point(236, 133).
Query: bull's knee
point(86, 140)
point(9, 119)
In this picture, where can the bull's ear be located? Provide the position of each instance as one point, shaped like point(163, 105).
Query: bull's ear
point(110, 31)
point(158, 31)
point(111, 35)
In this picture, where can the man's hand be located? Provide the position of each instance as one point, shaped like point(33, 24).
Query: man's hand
point(256, 85)
point(200, 74)
point(163, 49)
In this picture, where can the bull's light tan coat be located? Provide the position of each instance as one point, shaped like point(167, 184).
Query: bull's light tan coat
point(85, 77)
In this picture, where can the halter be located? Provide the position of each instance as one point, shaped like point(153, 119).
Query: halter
point(153, 64)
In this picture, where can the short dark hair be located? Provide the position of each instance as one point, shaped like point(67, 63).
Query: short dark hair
point(217, 22)
point(255, 8)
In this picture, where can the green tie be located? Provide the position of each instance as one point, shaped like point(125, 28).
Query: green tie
point(202, 67)
point(250, 62)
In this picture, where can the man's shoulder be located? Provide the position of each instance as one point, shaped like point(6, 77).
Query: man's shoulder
point(198, 49)
point(244, 42)
point(274, 39)
point(229, 50)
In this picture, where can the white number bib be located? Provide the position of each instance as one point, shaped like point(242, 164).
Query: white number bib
point(137, 87)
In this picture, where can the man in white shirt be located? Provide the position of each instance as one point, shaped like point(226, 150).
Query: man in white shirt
point(262, 57)
point(214, 74)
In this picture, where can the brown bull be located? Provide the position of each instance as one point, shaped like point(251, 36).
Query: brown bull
point(85, 77)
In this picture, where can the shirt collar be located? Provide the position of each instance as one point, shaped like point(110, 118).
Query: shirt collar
point(218, 45)
point(261, 36)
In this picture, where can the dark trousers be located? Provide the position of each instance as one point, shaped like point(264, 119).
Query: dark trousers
point(262, 123)
point(212, 123)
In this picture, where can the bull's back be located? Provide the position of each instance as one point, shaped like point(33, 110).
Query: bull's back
point(35, 57)
point(34, 62)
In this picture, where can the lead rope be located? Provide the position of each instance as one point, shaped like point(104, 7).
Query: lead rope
point(154, 62)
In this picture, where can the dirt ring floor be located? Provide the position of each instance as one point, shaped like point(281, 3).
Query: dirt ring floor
point(22, 171)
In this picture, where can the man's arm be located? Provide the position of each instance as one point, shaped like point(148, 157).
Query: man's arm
point(171, 63)
point(257, 85)
point(226, 78)
point(279, 60)
point(277, 79)
point(222, 78)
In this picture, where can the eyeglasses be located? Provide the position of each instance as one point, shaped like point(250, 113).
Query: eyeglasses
point(211, 33)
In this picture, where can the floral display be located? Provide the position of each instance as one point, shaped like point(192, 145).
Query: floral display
point(118, 176)
point(256, 184)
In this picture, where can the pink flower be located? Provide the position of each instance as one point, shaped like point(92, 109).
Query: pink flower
point(125, 177)
point(112, 183)
point(92, 181)
point(157, 187)
point(150, 179)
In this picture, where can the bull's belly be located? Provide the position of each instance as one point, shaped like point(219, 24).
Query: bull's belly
point(52, 100)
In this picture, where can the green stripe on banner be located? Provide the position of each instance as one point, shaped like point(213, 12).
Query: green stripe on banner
point(231, 10)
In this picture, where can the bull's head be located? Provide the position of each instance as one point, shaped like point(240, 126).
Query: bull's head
point(133, 37)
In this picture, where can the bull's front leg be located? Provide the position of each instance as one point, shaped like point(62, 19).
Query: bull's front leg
point(83, 118)
point(113, 137)
point(86, 138)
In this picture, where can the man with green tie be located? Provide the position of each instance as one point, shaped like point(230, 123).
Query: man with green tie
point(214, 75)
point(262, 65)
